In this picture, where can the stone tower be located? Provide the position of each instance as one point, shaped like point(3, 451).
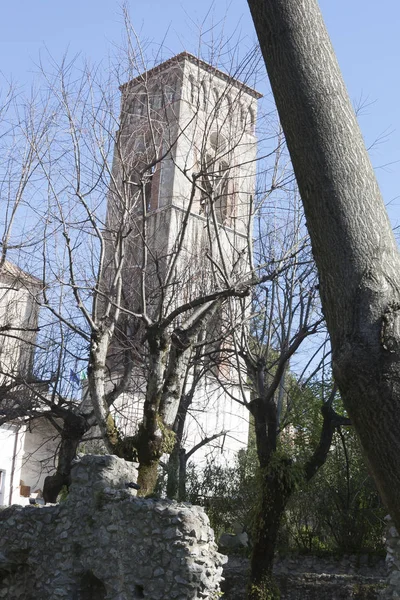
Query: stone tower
point(184, 174)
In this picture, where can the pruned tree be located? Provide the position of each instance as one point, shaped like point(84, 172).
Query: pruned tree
point(353, 244)
point(120, 283)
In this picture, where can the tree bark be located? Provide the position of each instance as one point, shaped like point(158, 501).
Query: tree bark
point(276, 489)
point(169, 364)
point(178, 455)
point(74, 428)
point(353, 244)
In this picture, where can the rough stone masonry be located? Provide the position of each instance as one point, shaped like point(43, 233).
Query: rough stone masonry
point(103, 543)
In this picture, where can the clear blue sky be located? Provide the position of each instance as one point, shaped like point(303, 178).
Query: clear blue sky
point(365, 35)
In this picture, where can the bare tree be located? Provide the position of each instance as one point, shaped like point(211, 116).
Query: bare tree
point(353, 245)
point(122, 282)
point(285, 327)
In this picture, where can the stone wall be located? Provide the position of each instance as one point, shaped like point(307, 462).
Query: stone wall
point(314, 578)
point(104, 543)
point(392, 591)
point(362, 565)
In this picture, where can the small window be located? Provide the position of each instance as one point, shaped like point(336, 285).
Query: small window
point(203, 96)
point(251, 119)
point(142, 104)
point(148, 187)
point(242, 116)
point(216, 102)
point(192, 89)
point(139, 591)
point(157, 99)
point(91, 587)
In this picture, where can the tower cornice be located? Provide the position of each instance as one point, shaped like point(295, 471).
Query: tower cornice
point(198, 62)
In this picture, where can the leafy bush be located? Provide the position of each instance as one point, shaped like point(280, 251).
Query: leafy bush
point(339, 510)
point(227, 493)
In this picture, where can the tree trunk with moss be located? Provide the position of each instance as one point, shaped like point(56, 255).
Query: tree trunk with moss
point(176, 483)
point(168, 366)
point(280, 477)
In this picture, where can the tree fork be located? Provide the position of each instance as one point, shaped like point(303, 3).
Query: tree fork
point(353, 244)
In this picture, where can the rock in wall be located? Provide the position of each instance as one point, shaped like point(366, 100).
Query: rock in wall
point(392, 591)
point(103, 543)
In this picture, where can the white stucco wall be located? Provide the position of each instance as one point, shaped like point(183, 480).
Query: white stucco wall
point(39, 452)
point(26, 458)
point(214, 411)
point(11, 453)
point(19, 310)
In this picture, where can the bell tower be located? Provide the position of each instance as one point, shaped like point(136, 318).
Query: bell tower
point(182, 194)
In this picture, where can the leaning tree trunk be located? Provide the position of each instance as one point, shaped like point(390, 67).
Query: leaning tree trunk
point(353, 245)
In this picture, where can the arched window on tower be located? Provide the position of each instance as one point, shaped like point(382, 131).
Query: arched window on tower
point(216, 187)
point(216, 102)
point(169, 93)
point(203, 96)
point(151, 187)
point(243, 116)
point(251, 119)
point(156, 100)
point(133, 109)
point(142, 104)
point(192, 89)
point(221, 194)
point(229, 107)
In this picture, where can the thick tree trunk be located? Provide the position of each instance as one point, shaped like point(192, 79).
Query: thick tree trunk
point(147, 477)
point(149, 443)
point(149, 439)
point(168, 368)
point(173, 473)
point(280, 479)
point(353, 245)
point(176, 483)
point(74, 428)
point(277, 488)
point(182, 475)
point(177, 459)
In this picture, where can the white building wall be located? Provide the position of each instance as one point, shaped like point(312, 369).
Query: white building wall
point(18, 309)
point(214, 411)
point(26, 458)
point(11, 454)
point(39, 453)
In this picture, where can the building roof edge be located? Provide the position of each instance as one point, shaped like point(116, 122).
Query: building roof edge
point(196, 61)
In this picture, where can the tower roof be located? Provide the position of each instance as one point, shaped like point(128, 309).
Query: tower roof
point(178, 58)
point(9, 269)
